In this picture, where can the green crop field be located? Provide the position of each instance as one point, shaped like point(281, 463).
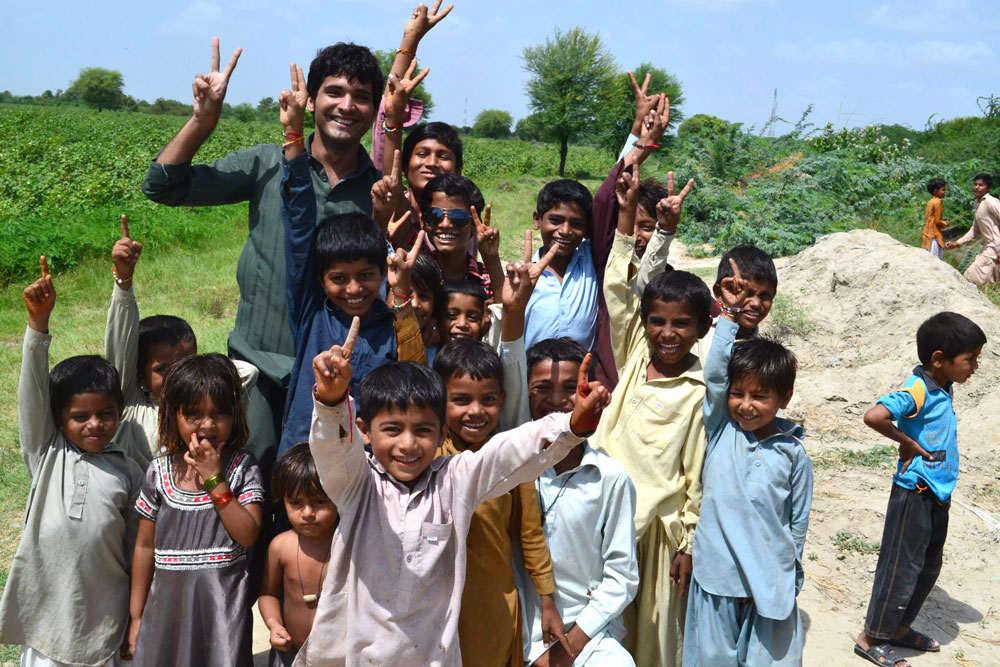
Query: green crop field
point(67, 173)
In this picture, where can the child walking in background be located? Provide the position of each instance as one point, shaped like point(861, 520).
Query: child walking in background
point(916, 520)
point(66, 597)
point(297, 558)
point(142, 352)
point(200, 510)
point(653, 427)
point(755, 506)
point(933, 224)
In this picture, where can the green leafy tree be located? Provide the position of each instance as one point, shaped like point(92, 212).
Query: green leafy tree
point(493, 124)
point(701, 123)
point(267, 106)
point(100, 88)
point(243, 112)
point(617, 110)
point(567, 75)
point(385, 59)
point(530, 128)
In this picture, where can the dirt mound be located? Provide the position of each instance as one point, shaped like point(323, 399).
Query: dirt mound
point(850, 306)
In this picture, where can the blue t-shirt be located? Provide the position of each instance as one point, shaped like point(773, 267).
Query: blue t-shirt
point(922, 409)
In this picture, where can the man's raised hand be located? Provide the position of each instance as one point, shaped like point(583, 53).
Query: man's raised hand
point(668, 209)
point(591, 399)
point(210, 89)
point(332, 368)
point(422, 19)
point(40, 299)
point(400, 268)
point(292, 103)
point(643, 103)
point(398, 92)
point(124, 255)
point(387, 198)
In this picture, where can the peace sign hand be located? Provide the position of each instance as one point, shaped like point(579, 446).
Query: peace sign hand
point(735, 290)
point(387, 196)
point(40, 299)
point(643, 103)
point(293, 102)
point(487, 238)
point(668, 209)
point(422, 20)
point(627, 188)
point(332, 368)
point(400, 265)
point(591, 399)
point(656, 121)
point(523, 276)
point(124, 255)
point(210, 89)
point(398, 92)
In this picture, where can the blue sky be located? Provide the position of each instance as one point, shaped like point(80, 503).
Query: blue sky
point(856, 62)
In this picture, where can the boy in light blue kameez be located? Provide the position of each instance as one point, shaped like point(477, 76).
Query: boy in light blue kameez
point(757, 491)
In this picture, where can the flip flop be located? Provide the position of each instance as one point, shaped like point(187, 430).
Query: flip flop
point(888, 656)
point(916, 640)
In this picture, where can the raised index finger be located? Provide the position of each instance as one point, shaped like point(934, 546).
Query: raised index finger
point(215, 55)
point(125, 234)
point(670, 184)
point(352, 337)
point(736, 273)
point(687, 189)
point(397, 167)
point(583, 377)
point(440, 15)
point(527, 246)
point(44, 263)
point(231, 65)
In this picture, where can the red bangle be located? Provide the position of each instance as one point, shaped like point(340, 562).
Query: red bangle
point(222, 499)
point(391, 128)
point(292, 135)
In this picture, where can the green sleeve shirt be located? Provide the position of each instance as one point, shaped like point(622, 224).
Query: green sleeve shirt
point(262, 334)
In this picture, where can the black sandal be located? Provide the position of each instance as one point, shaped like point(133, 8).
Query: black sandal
point(880, 654)
point(916, 640)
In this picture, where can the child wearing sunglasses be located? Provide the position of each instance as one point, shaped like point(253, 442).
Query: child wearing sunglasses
point(446, 214)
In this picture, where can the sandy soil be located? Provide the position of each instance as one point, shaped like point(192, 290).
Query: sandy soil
point(853, 303)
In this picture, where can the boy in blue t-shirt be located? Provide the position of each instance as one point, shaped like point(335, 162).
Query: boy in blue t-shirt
point(916, 521)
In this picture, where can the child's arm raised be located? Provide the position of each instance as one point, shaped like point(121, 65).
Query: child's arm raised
point(488, 241)
point(734, 295)
point(271, 591)
point(35, 424)
point(409, 341)
point(121, 335)
point(389, 207)
point(622, 302)
point(336, 443)
point(668, 215)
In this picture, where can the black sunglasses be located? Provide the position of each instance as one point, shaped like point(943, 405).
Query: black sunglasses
point(459, 217)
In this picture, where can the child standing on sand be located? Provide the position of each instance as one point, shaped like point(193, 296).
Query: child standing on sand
point(933, 224)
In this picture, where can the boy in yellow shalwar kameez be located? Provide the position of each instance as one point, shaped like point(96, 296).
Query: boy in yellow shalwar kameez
point(654, 425)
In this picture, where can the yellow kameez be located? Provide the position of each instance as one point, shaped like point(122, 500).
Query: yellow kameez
point(933, 224)
point(655, 429)
point(489, 625)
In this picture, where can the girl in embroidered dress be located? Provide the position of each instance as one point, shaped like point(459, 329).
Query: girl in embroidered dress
point(200, 510)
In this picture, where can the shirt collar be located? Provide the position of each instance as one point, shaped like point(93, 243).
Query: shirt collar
point(931, 384)
point(786, 429)
point(365, 163)
point(694, 372)
point(588, 460)
point(422, 481)
point(579, 255)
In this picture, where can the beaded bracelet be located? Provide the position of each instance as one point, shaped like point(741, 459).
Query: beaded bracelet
point(398, 307)
point(119, 281)
point(732, 310)
point(391, 128)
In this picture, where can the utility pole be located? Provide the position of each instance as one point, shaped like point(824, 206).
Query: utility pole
point(774, 115)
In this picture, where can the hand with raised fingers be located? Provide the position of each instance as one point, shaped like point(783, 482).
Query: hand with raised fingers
point(657, 120)
point(668, 209)
point(591, 399)
point(735, 290)
point(422, 20)
point(627, 187)
point(536, 269)
point(332, 368)
point(643, 103)
point(388, 199)
point(124, 256)
point(487, 238)
point(398, 92)
point(210, 89)
point(400, 268)
point(40, 299)
point(292, 103)
point(203, 456)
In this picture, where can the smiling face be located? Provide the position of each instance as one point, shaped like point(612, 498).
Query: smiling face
point(207, 420)
point(90, 420)
point(473, 408)
point(645, 225)
point(760, 298)
point(552, 387)
point(343, 110)
point(404, 442)
point(430, 158)
point(754, 407)
point(423, 306)
point(311, 516)
point(565, 224)
point(672, 329)
point(158, 360)
point(447, 237)
point(352, 286)
point(462, 318)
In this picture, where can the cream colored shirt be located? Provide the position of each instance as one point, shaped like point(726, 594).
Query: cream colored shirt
point(393, 591)
point(654, 428)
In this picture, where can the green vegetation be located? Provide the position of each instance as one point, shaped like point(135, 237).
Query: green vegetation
point(788, 317)
point(877, 456)
point(845, 541)
point(100, 88)
point(492, 124)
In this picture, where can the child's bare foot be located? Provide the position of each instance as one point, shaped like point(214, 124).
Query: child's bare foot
point(877, 652)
